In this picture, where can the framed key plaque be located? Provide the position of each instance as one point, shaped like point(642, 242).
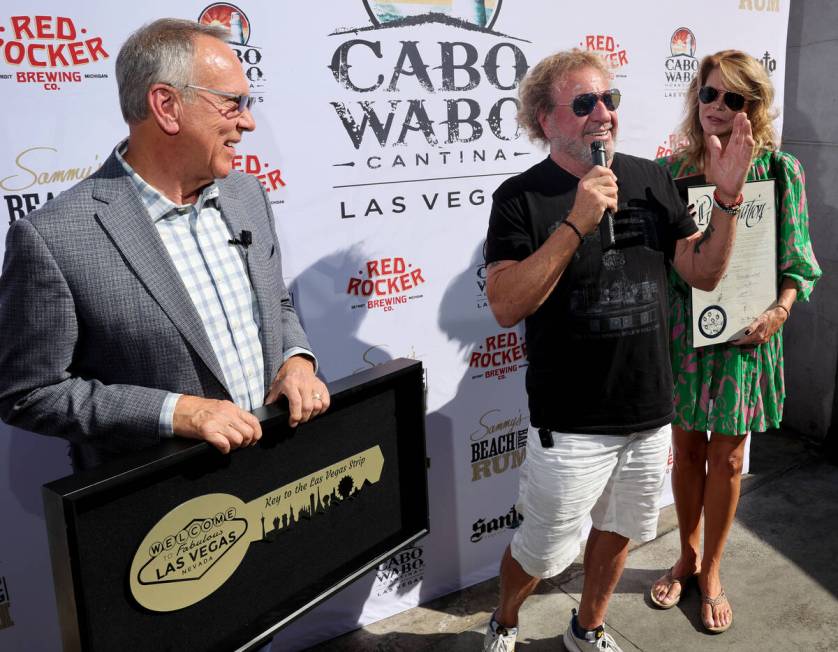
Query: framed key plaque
point(181, 548)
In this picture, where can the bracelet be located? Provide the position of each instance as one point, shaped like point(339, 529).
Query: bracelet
point(575, 230)
point(730, 209)
point(733, 211)
point(736, 202)
point(782, 307)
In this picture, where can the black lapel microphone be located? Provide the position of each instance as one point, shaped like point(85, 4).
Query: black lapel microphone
point(606, 224)
point(245, 239)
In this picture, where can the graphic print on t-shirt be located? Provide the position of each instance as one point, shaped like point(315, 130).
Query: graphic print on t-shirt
point(614, 299)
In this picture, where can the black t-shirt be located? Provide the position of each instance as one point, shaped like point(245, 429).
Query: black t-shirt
point(598, 346)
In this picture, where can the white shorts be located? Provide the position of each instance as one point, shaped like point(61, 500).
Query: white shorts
point(617, 479)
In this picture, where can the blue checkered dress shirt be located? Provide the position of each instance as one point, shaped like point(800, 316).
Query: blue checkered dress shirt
point(213, 271)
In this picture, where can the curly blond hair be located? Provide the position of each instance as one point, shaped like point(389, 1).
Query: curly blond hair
point(536, 90)
point(743, 74)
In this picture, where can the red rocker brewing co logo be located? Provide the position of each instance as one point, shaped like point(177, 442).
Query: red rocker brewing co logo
point(386, 283)
point(269, 176)
point(670, 145)
point(48, 45)
point(609, 50)
point(499, 355)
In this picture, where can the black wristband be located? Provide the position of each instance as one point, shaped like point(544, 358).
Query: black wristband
point(575, 230)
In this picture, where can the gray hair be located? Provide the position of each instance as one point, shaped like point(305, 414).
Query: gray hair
point(160, 52)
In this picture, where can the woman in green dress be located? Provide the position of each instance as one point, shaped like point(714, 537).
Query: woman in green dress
point(735, 388)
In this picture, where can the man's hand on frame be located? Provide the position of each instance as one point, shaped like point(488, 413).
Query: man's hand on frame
point(220, 423)
point(306, 393)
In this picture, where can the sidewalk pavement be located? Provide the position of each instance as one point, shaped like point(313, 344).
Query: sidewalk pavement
point(779, 571)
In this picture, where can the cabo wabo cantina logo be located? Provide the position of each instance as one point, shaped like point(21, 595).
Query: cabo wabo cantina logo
point(681, 66)
point(413, 101)
point(499, 356)
point(481, 300)
point(385, 283)
point(613, 55)
point(401, 572)
point(481, 276)
point(45, 46)
point(233, 19)
point(499, 444)
point(194, 549)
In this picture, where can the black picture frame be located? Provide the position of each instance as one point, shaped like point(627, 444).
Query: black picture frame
point(96, 520)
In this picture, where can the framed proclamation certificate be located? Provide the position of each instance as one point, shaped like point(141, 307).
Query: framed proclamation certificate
point(750, 284)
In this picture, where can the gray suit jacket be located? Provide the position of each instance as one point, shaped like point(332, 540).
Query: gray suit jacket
point(96, 325)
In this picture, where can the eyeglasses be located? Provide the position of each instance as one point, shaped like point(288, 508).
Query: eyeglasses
point(584, 104)
point(733, 101)
point(242, 101)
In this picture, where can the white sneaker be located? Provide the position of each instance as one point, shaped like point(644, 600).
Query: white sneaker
point(499, 638)
point(596, 639)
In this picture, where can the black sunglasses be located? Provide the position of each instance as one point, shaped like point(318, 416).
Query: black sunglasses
point(584, 104)
point(733, 101)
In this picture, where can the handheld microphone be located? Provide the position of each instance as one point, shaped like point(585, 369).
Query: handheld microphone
point(606, 225)
point(245, 239)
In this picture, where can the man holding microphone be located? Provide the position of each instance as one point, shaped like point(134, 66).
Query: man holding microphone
point(599, 381)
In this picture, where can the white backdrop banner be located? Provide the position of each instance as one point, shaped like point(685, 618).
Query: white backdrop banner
point(382, 130)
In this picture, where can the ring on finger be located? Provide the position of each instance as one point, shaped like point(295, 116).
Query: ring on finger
point(317, 396)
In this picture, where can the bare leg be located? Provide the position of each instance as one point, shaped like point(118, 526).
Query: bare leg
point(515, 586)
point(689, 455)
point(605, 556)
point(725, 456)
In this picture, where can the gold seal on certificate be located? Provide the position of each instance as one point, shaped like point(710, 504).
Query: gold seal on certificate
point(750, 284)
point(198, 545)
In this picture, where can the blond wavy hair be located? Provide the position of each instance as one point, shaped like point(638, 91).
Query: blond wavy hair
point(743, 74)
point(536, 90)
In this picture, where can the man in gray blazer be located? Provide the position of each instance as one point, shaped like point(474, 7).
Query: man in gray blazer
point(147, 301)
